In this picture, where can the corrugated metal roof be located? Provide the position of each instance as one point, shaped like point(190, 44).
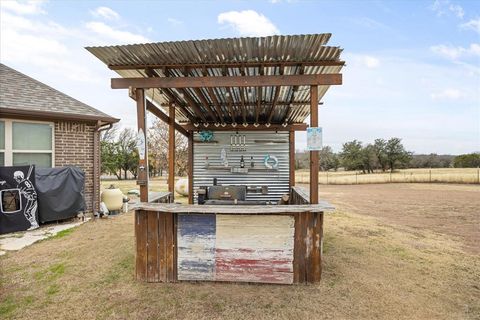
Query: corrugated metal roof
point(273, 55)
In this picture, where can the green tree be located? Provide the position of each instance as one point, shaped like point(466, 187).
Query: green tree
point(369, 158)
point(127, 152)
point(328, 159)
point(351, 155)
point(110, 160)
point(471, 160)
point(396, 154)
point(379, 148)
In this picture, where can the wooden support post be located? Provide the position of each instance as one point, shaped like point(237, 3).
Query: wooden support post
point(171, 151)
point(142, 176)
point(314, 166)
point(291, 140)
point(190, 168)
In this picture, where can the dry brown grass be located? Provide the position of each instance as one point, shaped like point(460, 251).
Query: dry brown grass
point(374, 268)
point(442, 175)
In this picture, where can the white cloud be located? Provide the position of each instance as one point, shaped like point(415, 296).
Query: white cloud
point(371, 62)
point(106, 13)
point(473, 24)
point(455, 53)
point(369, 23)
point(54, 54)
point(445, 7)
point(457, 10)
point(27, 7)
point(447, 94)
point(174, 22)
point(248, 23)
point(120, 36)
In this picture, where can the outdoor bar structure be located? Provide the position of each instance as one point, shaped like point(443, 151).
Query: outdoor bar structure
point(238, 102)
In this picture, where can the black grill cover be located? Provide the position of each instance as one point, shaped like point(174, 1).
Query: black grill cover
point(18, 198)
point(60, 193)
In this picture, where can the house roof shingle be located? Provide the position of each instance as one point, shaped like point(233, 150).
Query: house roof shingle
point(23, 95)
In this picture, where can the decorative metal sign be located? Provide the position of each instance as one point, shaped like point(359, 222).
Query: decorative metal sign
point(314, 139)
point(141, 144)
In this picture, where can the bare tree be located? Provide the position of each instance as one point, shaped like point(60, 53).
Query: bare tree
point(158, 149)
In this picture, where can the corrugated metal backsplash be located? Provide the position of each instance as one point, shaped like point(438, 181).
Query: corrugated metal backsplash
point(258, 145)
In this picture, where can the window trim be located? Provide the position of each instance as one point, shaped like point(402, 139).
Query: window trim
point(9, 151)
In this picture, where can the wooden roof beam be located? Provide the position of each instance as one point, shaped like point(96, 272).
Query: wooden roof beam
point(259, 103)
point(261, 127)
point(274, 102)
point(207, 106)
point(247, 104)
point(243, 106)
point(216, 104)
point(164, 117)
point(170, 95)
point(228, 65)
point(202, 98)
point(230, 105)
point(228, 81)
point(190, 101)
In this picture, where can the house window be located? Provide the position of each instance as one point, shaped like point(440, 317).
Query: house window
point(27, 142)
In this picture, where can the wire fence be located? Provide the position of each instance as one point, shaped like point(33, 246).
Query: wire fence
point(447, 175)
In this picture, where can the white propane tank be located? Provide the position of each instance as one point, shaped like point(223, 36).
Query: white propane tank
point(113, 198)
point(181, 186)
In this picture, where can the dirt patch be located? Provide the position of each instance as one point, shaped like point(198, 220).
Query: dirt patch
point(447, 209)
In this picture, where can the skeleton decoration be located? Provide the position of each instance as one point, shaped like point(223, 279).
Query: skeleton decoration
point(18, 199)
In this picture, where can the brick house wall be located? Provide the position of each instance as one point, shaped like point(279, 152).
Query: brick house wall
point(74, 146)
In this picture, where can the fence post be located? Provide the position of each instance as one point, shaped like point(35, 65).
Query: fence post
point(327, 177)
point(356, 177)
point(430, 171)
point(478, 175)
point(390, 175)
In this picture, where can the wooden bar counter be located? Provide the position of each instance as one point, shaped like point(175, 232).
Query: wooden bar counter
point(266, 244)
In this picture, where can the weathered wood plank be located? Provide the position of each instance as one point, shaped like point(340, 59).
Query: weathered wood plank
point(175, 247)
point(254, 249)
point(299, 249)
point(228, 81)
point(152, 247)
point(162, 248)
point(196, 247)
point(141, 242)
point(309, 254)
point(320, 235)
point(235, 209)
point(170, 247)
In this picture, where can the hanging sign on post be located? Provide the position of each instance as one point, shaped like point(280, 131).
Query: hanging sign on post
point(141, 144)
point(314, 139)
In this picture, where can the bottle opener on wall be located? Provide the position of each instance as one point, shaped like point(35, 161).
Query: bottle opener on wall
point(238, 142)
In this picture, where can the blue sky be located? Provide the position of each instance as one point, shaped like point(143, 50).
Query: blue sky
point(413, 67)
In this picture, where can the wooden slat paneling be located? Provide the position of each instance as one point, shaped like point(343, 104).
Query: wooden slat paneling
point(162, 248)
point(141, 239)
point(254, 249)
point(156, 246)
point(308, 247)
point(170, 255)
point(152, 247)
point(196, 247)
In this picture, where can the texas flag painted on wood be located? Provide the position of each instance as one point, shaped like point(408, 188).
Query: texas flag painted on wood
point(235, 248)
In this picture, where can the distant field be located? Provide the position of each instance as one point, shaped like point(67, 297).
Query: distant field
point(447, 175)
